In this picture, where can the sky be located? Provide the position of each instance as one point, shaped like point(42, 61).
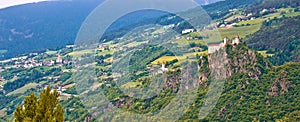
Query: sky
point(9, 3)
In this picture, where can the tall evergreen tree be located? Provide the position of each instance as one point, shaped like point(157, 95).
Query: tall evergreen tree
point(44, 109)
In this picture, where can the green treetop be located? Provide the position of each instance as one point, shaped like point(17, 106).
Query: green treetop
point(44, 109)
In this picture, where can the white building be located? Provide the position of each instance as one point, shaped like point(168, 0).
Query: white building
point(186, 31)
point(163, 67)
point(212, 48)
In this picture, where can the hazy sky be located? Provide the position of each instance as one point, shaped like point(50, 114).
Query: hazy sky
point(8, 3)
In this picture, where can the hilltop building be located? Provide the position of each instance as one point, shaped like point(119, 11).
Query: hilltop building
point(212, 48)
point(236, 40)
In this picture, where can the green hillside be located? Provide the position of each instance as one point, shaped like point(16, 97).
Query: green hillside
point(255, 79)
point(278, 36)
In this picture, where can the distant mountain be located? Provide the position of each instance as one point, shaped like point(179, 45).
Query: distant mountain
point(52, 24)
point(10, 3)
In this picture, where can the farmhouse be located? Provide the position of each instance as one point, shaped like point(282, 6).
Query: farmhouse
point(186, 31)
point(163, 67)
point(59, 60)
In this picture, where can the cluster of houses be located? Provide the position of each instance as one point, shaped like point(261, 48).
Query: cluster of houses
point(247, 16)
point(27, 63)
point(212, 48)
point(31, 62)
point(1, 86)
point(231, 23)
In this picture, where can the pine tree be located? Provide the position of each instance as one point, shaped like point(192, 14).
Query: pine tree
point(44, 109)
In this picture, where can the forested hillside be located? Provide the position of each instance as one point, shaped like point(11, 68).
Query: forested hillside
point(255, 91)
point(266, 4)
point(255, 69)
point(279, 36)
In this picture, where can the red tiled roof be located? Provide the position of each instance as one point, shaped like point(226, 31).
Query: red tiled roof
point(214, 45)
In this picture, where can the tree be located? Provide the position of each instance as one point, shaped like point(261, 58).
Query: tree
point(44, 109)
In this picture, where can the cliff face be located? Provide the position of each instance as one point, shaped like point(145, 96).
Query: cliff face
point(254, 90)
point(234, 59)
point(241, 59)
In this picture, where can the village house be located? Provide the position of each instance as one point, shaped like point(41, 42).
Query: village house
point(264, 10)
point(70, 46)
point(48, 63)
point(102, 46)
point(189, 38)
point(59, 60)
point(153, 67)
point(1, 78)
point(163, 68)
point(213, 48)
point(242, 18)
point(233, 10)
point(66, 61)
point(186, 31)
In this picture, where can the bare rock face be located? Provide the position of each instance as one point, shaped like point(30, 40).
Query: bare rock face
point(234, 59)
point(281, 84)
point(218, 64)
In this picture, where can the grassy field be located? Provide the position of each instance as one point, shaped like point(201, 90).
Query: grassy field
point(51, 52)
point(3, 51)
point(292, 14)
point(184, 42)
point(134, 44)
point(255, 24)
point(179, 58)
point(3, 112)
point(80, 53)
point(131, 85)
point(70, 85)
point(265, 54)
point(242, 31)
point(166, 59)
point(23, 89)
point(106, 52)
point(251, 22)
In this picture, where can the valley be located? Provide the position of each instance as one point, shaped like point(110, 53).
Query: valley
point(259, 83)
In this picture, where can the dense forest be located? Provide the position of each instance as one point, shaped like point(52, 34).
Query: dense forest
point(266, 4)
point(278, 36)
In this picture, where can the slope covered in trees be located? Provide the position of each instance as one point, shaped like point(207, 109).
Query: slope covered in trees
point(254, 90)
point(279, 36)
point(266, 4)
point(273, 95)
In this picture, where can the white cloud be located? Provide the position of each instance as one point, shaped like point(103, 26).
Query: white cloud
point(9, 3)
